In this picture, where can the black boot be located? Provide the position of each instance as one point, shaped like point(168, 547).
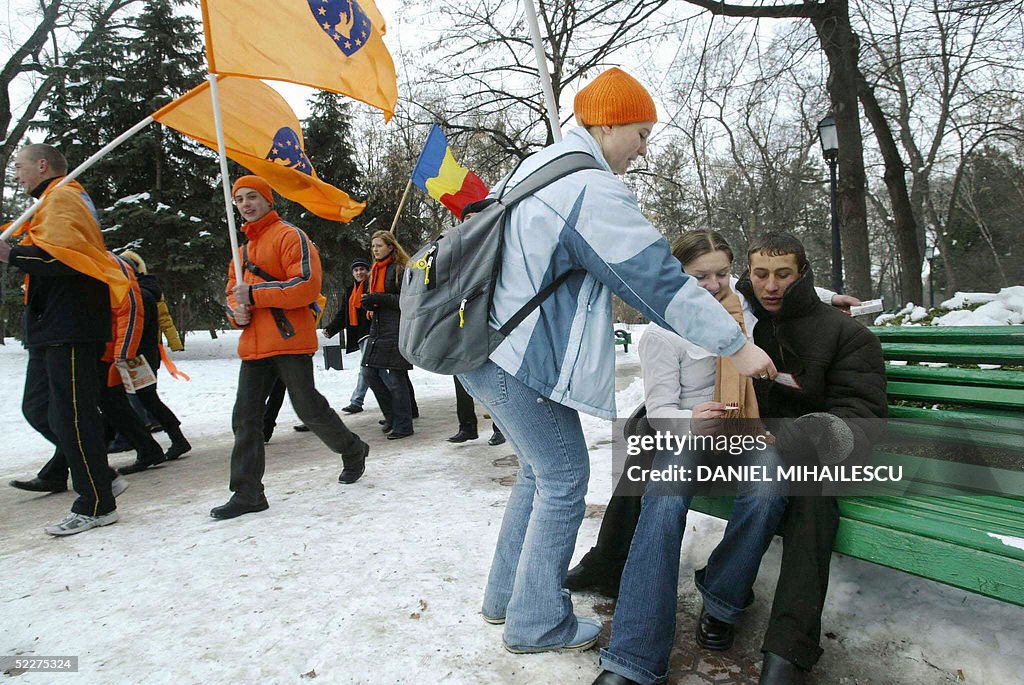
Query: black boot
point(778, 671)
point(609, 678)
point(234, 509)
point(354, 466)
point(714, 634)
point(594, 573)
point(143, 463)
point(179, 445)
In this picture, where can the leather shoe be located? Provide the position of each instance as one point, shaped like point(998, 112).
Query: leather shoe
point(234, 509)
point(463, 436)
point(594, 574)
point(386, 427)
point(609, 678)
point(354, 467)
point(39, 485)
point(142, 464)
point(393, 435)
point(714, 634)
point(300, 428)
point(352, 409)
point(778, 671)
point(496, 439)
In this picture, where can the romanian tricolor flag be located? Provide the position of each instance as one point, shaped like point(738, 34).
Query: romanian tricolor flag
point(444, 179)
point(332, 45)
point(262, 133)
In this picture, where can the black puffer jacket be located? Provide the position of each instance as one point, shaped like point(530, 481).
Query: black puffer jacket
point(382, 349)
point(836, 361)
point(149, 345)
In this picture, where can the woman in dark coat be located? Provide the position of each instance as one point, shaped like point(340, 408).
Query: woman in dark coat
point(385, 370)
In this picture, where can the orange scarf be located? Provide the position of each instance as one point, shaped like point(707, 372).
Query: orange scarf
point(378, 273)
point(353, 302)
point(731, 388)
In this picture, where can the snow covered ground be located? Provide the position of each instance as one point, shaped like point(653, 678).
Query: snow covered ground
point(379, 582)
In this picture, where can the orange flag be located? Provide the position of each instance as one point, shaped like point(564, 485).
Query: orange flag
point(332, 45)
point(262, 133)
point(66, 226)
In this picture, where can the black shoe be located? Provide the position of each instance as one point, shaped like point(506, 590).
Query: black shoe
point(594, 574)
point(463, 436)
point(496, 439)
point(352, 409)
point(609, 678)
point(117, 445)
point(386, 427)
point(300, 428)
point(382, 421)
point(714, 634)
point(398, 436)
point(177, 450)
point(354, 466)
point(39, 485)
point(142, 464)
point(778, 671)
point(234, 509)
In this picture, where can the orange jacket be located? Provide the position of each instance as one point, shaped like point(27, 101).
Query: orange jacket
point(282, 321)
point(128, 319)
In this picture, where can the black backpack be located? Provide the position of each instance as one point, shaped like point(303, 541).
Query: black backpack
point(449, 283)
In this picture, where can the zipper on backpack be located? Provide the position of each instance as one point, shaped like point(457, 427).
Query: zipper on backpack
point(462, 313)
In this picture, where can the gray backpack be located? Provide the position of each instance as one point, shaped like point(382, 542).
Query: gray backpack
point(449, 283)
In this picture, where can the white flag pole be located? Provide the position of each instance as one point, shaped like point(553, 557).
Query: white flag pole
point(542, 69)
point(81, 168)
point(225, 180)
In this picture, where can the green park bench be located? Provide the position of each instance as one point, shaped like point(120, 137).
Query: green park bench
point(623, 337)
point(973, 542)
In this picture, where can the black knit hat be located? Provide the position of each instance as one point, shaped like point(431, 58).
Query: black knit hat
point(360, 262)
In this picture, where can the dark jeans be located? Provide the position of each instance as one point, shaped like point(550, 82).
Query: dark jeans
point(122, 418)
point(391, 388)
point(152, 403)
point(275, 399)
point(808, 532)
point(62, 394)
point(255, 380)
point(465, 409)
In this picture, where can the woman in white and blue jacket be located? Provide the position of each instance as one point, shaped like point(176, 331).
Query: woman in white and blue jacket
point(561, 358)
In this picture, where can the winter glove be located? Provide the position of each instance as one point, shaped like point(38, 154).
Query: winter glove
point(817, 437)
point(371, 300)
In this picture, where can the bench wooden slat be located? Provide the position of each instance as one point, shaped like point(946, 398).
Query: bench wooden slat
point(972, 419)
point(955, 335)
point(960, 354)
point(995, 378)
point(935, 392)
point(953, 434)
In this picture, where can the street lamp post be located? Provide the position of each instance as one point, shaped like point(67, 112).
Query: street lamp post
point(830, 151)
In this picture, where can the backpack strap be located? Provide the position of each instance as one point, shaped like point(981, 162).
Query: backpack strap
point(556, 169)
point(284, 326)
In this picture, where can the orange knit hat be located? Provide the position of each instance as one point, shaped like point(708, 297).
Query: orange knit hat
point(614, 98)
point(257, 184)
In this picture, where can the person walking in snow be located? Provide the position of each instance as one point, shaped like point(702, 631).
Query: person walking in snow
point(273, 307)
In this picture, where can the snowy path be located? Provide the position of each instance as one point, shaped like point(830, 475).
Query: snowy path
point(380, 582)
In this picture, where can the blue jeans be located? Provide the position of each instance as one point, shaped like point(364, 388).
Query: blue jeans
point(544, 511)
point(643, 629)
point(359, 394)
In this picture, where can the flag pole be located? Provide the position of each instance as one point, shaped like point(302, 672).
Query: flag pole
point(229, 208)
point(80, 169)
point(401, 204)
point(542, 70)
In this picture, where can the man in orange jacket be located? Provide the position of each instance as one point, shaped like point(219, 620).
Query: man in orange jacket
point(70, 288)
point(281, 280)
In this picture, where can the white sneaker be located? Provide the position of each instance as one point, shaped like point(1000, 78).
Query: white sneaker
point(118, 485)
point(77, 523)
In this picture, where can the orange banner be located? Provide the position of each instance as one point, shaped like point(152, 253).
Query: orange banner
point(333, 45)
point(262, 133)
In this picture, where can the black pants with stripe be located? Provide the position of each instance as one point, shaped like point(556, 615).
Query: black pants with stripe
point(61, 401)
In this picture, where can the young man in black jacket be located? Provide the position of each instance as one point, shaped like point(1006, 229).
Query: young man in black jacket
point(837, 365)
